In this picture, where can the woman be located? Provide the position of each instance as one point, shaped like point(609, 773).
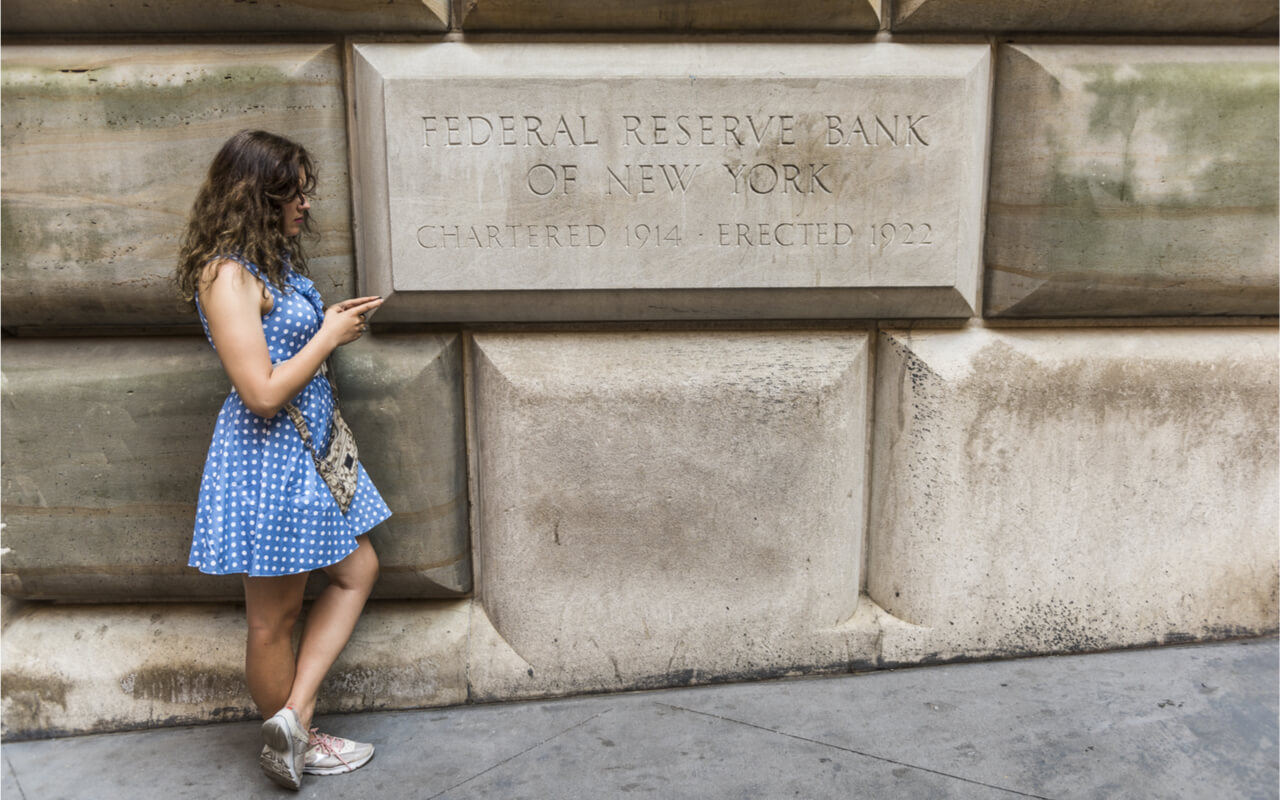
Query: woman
point(264, 510)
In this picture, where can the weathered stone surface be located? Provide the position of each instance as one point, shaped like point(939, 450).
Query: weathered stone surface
point(104, 148)
point(669, 15)
point(670, 181)
point(208, 16)
point(1134, 181)
point(1049, 490)
point(104, 441)
point(660, 509)
point(1094, 16)
point(404, 396)
point(89, 669)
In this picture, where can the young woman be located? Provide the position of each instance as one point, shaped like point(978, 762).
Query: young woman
point(264, 511)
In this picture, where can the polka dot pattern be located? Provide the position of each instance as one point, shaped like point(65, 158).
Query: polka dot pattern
point(263, 508)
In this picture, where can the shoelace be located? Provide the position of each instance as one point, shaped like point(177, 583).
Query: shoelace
point(327, 744)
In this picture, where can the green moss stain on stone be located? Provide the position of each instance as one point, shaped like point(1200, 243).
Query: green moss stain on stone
point(1170, 183)
point(1215, 124)
point(130, 98)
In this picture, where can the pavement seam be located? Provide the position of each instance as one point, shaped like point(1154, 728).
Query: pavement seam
point(531, 747)
point(856, 752)
point(9, 763)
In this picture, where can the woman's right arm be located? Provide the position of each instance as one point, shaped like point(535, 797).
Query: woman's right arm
point(231, 298)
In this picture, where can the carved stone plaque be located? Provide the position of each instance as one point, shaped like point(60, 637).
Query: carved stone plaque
point(518, 182)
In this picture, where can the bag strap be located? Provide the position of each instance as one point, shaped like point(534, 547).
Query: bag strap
point(300, 420)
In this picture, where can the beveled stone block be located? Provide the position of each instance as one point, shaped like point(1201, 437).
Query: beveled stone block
point(104, 148)
point(1042, 491)
point(588, 181)
point(96, 668)
point(669, 15)
point(1134, 181)
point(663, 509)
point(105, 439)
point(1094, 16)
point(209, 16)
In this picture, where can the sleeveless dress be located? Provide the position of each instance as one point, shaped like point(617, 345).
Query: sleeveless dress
point(263, 507)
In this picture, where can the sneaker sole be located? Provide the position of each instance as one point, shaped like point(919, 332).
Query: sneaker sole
point(281, 768)
point(277, 769)
point(341, 768)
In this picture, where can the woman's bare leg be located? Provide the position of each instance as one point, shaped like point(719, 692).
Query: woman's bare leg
point(271, 609)
point(329, 623)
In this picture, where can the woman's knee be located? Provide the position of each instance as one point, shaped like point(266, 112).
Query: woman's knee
point(273, 613)
point(358, 571)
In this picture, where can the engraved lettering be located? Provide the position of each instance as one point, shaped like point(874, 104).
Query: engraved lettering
point(786, 127)
point(759, 132)
point(675, 175)
point(682, 124)
point(784, 234)
point(543, 179)
point(892, 135)
point(815, 180)
point(532, 126)
point(632, 124)
point(508, 124)
point(911, 129)
point(488, 130)
point(660, 130)
point(731, 130)
point(882, 131)
point(763, 178)
point(901, 234)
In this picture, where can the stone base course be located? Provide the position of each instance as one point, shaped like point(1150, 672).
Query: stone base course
point(1044, 491)
point(79, 669)
point(104, 441)
point(105, 146)
point(1123, 182)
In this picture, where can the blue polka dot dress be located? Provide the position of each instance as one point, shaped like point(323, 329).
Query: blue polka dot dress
point(263, 508)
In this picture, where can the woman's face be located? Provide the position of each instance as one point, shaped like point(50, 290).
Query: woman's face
point(294, 212)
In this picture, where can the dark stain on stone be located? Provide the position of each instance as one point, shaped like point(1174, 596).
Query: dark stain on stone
point(185, 684)
point(27, 696)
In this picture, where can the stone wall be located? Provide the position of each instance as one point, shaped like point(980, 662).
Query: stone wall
point(724, 340)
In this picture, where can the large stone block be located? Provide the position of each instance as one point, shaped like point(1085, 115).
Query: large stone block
point(662, 509)
point(104, 441)
point(91, 669)
point(208, 16)
point(104, 148)
point(594, 181)
point(1067, 490)
point(1134, 181)
point(669, 15)
point(1093, 16)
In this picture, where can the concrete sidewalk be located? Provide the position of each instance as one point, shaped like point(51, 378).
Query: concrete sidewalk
point(1177, 722)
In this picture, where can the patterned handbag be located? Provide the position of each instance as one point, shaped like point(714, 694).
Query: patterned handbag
point(338, 467)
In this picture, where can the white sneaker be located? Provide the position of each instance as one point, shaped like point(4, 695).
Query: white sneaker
point(287, 744)
point(333, 755)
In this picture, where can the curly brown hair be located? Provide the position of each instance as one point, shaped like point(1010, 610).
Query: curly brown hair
point(238, 210)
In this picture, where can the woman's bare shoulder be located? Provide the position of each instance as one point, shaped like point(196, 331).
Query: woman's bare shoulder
point(225, 273)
